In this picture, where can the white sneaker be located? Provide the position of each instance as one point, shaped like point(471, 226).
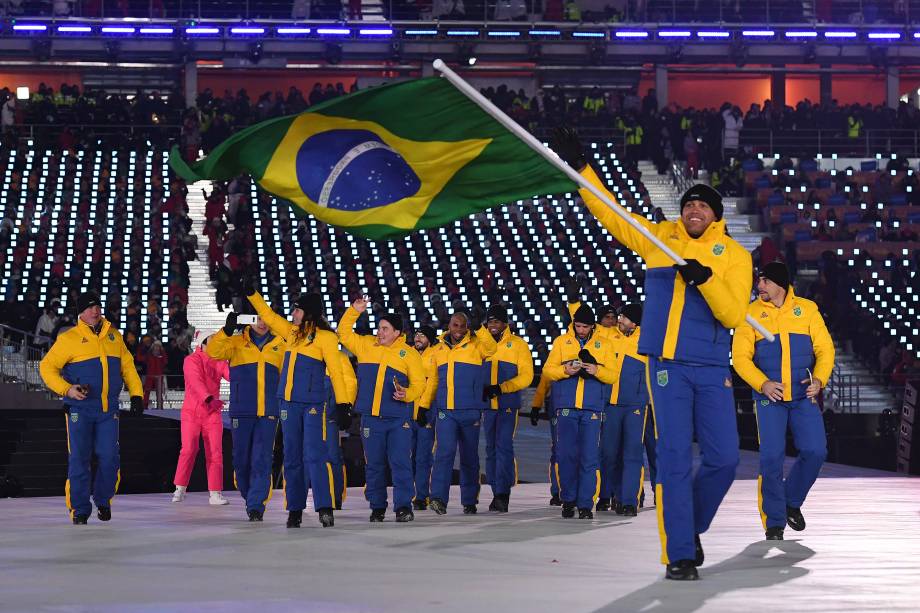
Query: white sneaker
point(217, 499)
point(179, 494)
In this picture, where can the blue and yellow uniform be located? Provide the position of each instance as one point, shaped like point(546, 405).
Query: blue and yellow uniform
point(101, 362)
point(511, 368)
point(454, 393)
point(255, 367)
point(686, 334)
point(802, 344)
point(579, 404)
point(542, 398)
point(386, 423)
point(423, 437)
point(333, 442)
point(302, 399)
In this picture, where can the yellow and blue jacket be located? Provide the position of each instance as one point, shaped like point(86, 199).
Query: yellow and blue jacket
point(306, 359)
point(254, 372)
point(578, 392)
point(100, 361)
point(428, 367)
point(683, 323)
point(351, 386)
point(802, 342)
point(629, 388)
point(511, 368)
point(456, 377)
point(378, 366)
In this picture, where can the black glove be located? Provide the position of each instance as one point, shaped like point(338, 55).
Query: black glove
point(694, 273)
point(343, 415)
point(534, 416)
point(567, 145)
point(572, 290)
point(422, 418)
point(586, 358)
point(475, 319)
point(137, 405)
point(491, 391)
point(230, 325)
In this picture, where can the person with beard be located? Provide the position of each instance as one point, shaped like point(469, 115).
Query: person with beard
point(508, 371)
point(311, 347)
point(424, 341)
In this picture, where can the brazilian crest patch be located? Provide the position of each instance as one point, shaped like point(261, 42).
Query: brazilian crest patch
point(402, 353)
point(283, 414)
point(797, 311)
point(366, 432)
point(509, 344)
point(764, 402)
point(597, 344)
point(74, 417)
point(662, 378)
point(718, 249)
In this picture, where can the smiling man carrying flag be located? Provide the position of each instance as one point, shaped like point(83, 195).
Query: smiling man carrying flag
point(386, 161)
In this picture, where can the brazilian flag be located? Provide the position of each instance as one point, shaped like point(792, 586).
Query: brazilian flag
point(383, 162)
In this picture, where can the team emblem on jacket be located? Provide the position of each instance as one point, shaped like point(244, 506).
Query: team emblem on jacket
point(797, 311)
point(312, 411)
point(636, 412)
point(565, 412)
point(442, 415)
point(764, 402)
point(662, 378)
point(406, 425)
point(594, 416)
point(728, 381)
point(597, 344)
point(508, 344)
point(366, 432)
point(74, 417)
point(283, 414)
point(111, 336)
point(402, 353)
point(763, 315)
point(236, 423)
point(718, 249)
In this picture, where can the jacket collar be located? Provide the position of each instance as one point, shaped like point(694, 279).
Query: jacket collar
point(787, 304)
point(86, 329)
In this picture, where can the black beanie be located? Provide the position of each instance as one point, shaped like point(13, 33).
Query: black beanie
point(778, 273)
point(632, 312)
point(497, 311)
point(607, 309)
point(394, 319)
point(429, 333)
point(311, 304)
point(707, 195)
point(584, 315)
point(87, 300)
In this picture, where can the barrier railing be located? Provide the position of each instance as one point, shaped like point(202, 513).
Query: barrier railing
point(20, 354)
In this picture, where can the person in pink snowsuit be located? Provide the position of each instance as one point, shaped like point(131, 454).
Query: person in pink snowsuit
point(201, 416)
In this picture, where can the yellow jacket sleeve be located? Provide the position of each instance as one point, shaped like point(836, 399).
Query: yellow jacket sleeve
point(524, 362)
point(352, 341)
point(729, 297)
point(351, 380)
point(616, 225)
point(823, 347)
point(553, 369)
point(51, 366)
point(606, 373)
point(431, 383)
point(487, 344)
point(333, 359)
point(220, 347)
point(278, 325)
point(129, 372)
point(743, 357)
point(539, 396)
point(417, 379)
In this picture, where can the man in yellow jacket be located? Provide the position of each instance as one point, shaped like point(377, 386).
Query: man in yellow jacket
point(424, 341)
point(580, 369)
point(88, 365)
point(508, 371)
point(686, 334)
point(390, 378)
point(455, 391)
point(786, 376)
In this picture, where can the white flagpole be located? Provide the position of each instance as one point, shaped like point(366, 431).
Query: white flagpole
point(470, 92)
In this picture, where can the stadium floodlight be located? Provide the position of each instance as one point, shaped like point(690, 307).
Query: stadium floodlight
point(30, 27)
point(288, 30)
point(74, 29)
point(157, 30)
point(801, 34)
point(420, 32)
point(247, 30)
point(713, 34)
point(631, 34)
point(117, 29)
point(884, 35)
point(758, 33)
point(333, 31)
point(376, 32)
point(202, 30)
point(589, 34)
point(840, 34)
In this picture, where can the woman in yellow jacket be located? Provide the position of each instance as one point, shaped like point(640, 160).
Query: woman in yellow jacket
point(311, 347)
